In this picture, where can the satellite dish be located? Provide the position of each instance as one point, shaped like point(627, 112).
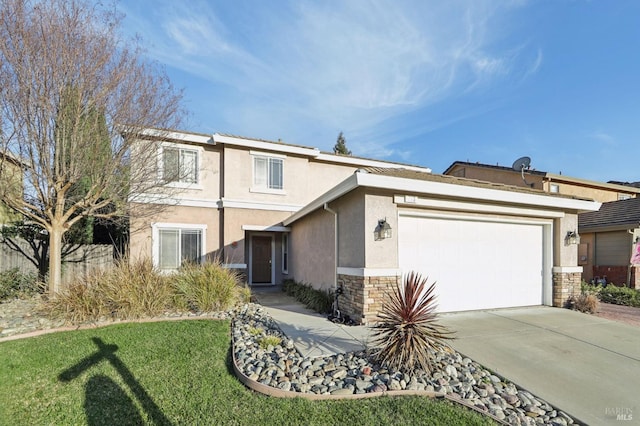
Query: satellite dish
point(519, 165)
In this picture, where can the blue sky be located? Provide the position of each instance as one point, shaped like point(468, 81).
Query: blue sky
point(424, 82)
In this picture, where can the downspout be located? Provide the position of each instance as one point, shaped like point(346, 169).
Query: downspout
point(335, 243)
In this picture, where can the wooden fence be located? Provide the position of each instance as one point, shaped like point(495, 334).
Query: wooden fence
point(85, 259)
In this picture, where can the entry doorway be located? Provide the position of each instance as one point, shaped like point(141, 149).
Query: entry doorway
point(261, 263)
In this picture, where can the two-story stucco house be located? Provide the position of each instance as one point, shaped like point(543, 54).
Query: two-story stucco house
point(275, 211)
point(233, 195)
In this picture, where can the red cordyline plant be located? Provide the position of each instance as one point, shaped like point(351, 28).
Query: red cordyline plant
point(407, 331)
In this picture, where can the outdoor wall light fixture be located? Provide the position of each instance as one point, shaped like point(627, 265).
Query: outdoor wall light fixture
point(383, 230)
point(572, 238)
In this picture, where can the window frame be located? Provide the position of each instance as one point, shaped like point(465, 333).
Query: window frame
point(180, 227)
point(181, 149)
point(265, 183)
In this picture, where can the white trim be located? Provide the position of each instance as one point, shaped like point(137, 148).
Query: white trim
point(155, 237)
point(370, 272)
point(176, 135)
point(174, 201)
point(266, 228)
point(234, 265)
point(473, 192)
point(264, 145)
point(413, 201)
point(471, 218)
point(267, 154)
point(256, 205)
point(365, 162)
point(258, 190)
point(567, 269)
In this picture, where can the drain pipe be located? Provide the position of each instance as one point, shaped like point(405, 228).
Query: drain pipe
point(335, 243)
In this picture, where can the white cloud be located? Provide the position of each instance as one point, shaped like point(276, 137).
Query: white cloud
point(337, 65)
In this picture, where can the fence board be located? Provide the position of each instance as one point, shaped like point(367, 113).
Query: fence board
point(86, 259)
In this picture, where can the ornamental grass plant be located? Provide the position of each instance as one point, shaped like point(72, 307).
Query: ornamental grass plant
point(209, 287)
point(138, 290)
point(408, 333)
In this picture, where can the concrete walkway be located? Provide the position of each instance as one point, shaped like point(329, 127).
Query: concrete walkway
point(588, 366)
point(314, 335)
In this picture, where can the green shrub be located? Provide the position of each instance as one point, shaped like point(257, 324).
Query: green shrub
point(620, 296)
point(587, 288)
point(267, 341)
point(320, 301)
point(209, 287)
point(408, 333)
point(17, 284)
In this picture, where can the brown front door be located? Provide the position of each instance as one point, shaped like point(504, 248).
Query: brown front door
point(261, 259)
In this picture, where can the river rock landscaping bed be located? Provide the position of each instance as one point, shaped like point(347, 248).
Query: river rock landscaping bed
point(282, 367)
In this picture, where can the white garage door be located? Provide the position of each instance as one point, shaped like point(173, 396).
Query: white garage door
point(476, 264)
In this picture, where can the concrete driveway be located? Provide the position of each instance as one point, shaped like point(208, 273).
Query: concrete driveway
point(585, 365)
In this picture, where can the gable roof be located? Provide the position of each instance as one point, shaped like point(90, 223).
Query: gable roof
point(279, 146)
point(622, 214)
point(442, 186)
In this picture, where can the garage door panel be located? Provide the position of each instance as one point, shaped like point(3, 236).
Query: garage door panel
point(476, 264)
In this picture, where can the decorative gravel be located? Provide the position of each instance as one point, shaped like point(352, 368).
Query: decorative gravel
point(281, 366)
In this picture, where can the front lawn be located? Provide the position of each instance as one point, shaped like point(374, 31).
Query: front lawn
point(174, 372)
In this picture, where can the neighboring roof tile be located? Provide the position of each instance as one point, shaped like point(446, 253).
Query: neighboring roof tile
point(490, 166)
point(613, 213)
point(409, 174)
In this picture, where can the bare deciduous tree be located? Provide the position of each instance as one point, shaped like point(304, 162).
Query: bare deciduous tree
point(67, 58)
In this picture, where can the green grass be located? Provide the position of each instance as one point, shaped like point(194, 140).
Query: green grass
point(174, 372)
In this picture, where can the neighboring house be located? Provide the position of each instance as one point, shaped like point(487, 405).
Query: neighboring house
point(608, 239)
point(279, 211)
point(11, 185)
point(548, 182)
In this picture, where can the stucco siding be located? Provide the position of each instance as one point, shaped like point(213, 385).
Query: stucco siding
point(383, 253)
point(303, 179)
point(565, 254)
point(351, 229)
point(312, 247)
point(602, 195)
point(140, 244)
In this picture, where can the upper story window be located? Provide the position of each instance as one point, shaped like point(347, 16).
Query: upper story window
point(553, 188)
point(179, 165)
point(268, 173)
point(624, 196)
